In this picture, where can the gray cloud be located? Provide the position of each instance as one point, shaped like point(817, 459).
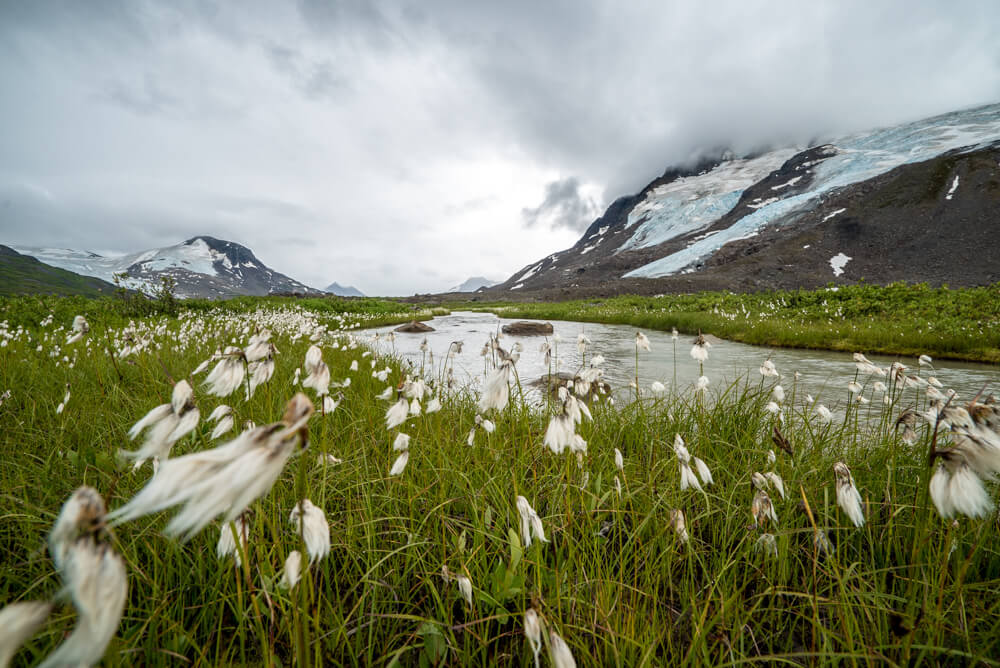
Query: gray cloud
point(564, 206)
point(402, 146)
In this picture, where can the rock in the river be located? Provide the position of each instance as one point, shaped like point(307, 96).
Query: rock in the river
point(525, 328)
point(414, 327)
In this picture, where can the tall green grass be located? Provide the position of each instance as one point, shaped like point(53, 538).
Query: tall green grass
point(629, 595)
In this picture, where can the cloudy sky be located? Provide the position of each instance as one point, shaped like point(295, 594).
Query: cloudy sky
point(404, 146)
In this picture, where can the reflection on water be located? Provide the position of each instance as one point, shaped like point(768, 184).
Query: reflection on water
point(823, 374)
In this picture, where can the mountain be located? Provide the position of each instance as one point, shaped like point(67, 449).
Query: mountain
point(22, 275)
point(474, 283)
point(202, 267)
point(342, 291)
point(915, 202)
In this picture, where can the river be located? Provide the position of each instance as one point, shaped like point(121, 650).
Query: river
point(823, 374)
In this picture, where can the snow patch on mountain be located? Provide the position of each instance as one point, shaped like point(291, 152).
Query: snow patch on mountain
point(838, 262)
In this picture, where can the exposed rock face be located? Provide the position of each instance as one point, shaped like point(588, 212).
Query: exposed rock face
point(918, 202)
point(414, 327)
point(526, 328)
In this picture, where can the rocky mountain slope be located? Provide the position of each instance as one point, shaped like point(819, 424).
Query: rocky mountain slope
point(24, 275)
point(202, 266)
point(915, 202)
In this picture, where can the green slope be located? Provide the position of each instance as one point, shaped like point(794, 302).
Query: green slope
point(23, 275)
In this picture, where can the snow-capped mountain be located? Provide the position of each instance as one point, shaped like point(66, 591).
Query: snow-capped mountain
point(880, 205)
point(473, 283)
point(344, 291)
point(202, 267)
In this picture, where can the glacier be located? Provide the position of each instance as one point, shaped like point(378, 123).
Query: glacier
point(858, 157)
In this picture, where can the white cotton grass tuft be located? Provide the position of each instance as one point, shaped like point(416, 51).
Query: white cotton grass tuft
point(699, 351)
point(776, 482)
point(825, 416)
point(224, 480)
point(848, 497)
point(315, 530)
point(701, 385)
point(317, 372)
point(83, 512)
point(397, 413)
point(767, 544)
point(292, 571)
point(433, 406)
point(227, 543)
point(559, 652)
point(531, 523)
point(402, 442)
point(778, 393)
point(496, 391)
point(80, 327)
point(658, 387)
point(762, 509)
point(768, 370)
point(228, 373)
point(619, 460)
point(680, 527)
point(96, 579)
point(18, 622)
point(94, 576)
point(533, 632)
point(641, 341)
point(703, 471)
point(399, 465)
point(166, 424)
point(223, 417)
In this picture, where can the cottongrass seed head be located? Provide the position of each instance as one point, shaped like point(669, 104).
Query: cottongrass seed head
point(848, 497)
point(315, 530)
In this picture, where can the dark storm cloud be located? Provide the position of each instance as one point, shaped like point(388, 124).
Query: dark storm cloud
point(564, 206)
point(419, 134)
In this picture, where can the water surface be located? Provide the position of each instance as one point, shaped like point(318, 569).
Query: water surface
point(823, 374)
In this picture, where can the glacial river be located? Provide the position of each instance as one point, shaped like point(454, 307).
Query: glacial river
point(823, 374)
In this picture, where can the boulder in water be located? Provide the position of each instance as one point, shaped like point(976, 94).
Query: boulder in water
point(414, 327)
point(525, 328)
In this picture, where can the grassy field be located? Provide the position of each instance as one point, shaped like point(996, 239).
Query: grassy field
point(898, 319)
point(615, 580)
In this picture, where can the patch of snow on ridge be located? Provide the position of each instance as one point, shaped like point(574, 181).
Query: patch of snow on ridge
point(852, 159)
point(790, 182)
point(690, 203)
point(954, 186)
point(832, 214)
point(518, 286)
point(531, 272)
point(838, 262)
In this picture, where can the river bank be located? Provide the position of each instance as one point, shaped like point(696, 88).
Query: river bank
point(896, 320)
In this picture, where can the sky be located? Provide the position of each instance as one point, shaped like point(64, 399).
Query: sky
point(402, 147)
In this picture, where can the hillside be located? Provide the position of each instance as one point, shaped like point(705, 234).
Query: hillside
point(918, 202)
point(22, 274)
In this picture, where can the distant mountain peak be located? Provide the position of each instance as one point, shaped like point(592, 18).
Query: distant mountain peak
point(343, 291)
point(202, 266)
point(474, 283)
